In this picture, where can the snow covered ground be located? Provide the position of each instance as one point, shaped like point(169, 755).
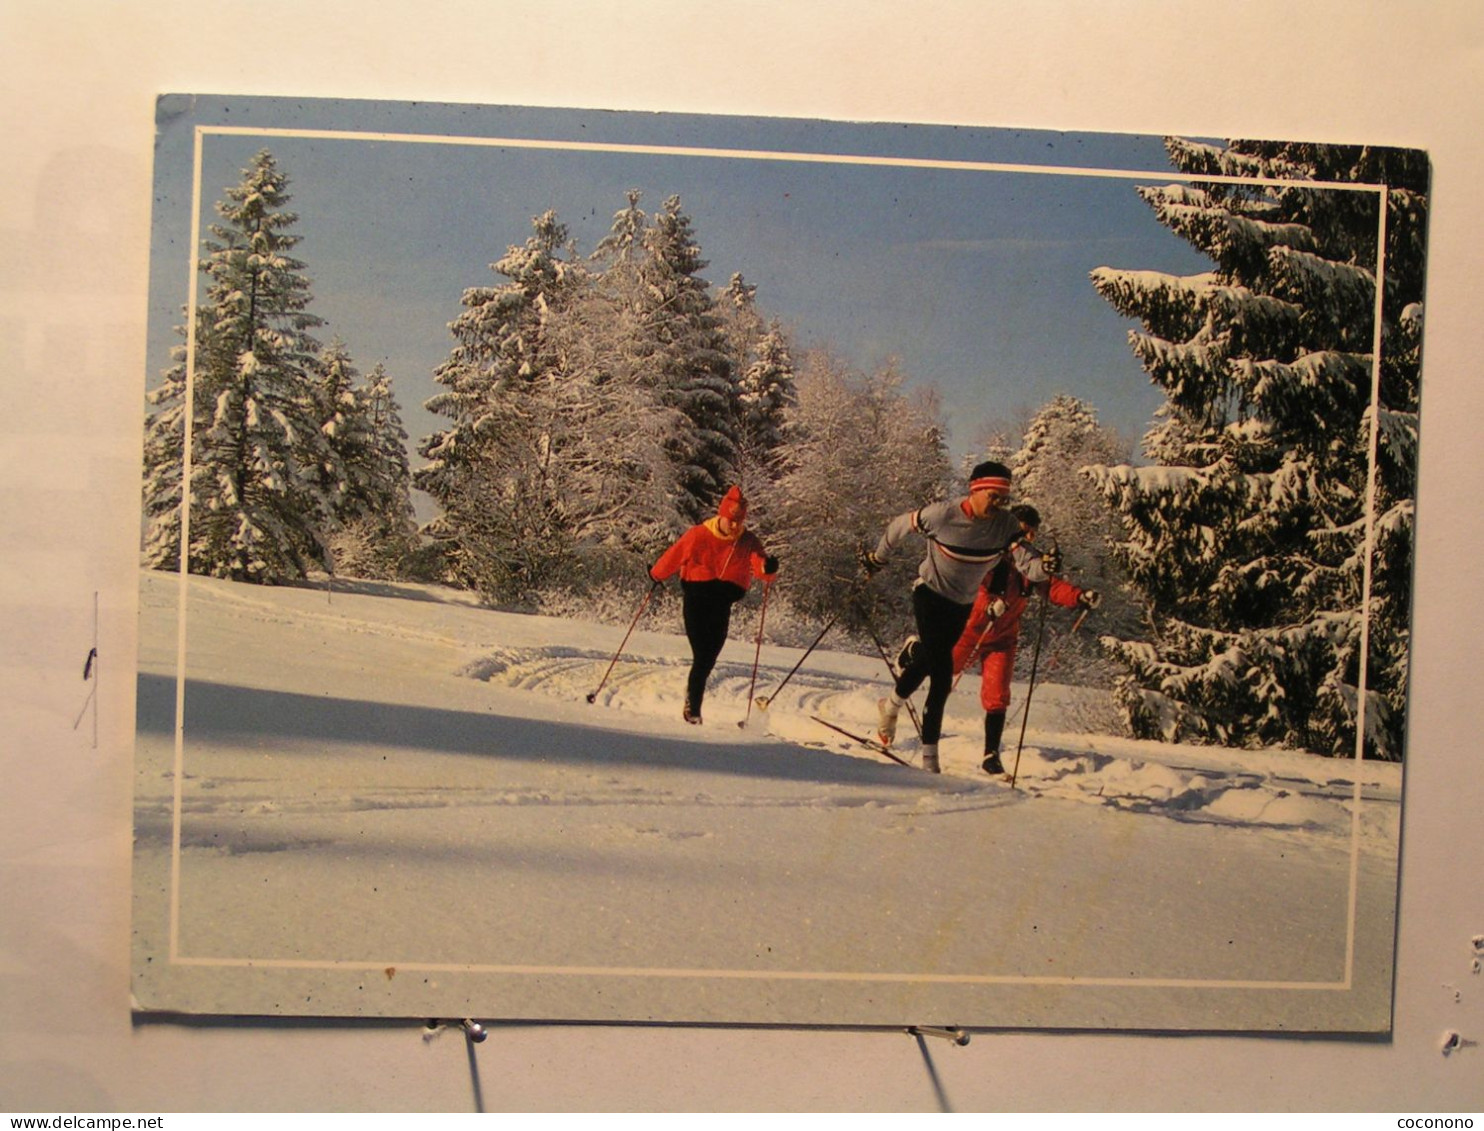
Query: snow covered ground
point(393, 802)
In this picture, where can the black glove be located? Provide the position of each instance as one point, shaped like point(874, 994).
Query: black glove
point(770, 564)
point(1051, 561)
point(1089, 598)
point(869, 562)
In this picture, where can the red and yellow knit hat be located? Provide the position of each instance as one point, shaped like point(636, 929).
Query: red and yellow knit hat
point(733, 506)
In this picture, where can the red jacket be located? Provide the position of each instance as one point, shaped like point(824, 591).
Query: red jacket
point(703, 554)
point(1006, 627)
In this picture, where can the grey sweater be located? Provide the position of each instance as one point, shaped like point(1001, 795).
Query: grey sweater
point(961, 548)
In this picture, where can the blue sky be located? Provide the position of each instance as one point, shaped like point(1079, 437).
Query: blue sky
point(975, 281)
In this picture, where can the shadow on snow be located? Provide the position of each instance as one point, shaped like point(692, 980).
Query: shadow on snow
point(230, 713)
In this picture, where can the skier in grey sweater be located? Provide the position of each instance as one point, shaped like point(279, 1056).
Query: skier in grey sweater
point(965, 540)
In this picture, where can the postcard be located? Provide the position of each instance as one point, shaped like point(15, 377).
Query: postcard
point(642, 567)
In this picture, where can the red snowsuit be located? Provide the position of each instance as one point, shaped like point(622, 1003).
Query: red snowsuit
point(994, 640)
point(715, 571)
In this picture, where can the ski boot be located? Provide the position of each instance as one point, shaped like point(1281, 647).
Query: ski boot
point(886, 720)
point(930, 758)
point(994, 727)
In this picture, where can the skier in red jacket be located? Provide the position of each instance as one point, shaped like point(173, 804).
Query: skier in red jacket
point(993, 630)
point(717, 561)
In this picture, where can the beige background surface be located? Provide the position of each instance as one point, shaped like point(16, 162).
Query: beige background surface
point(77, 85)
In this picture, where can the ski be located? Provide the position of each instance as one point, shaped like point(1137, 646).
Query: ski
point(869, 742)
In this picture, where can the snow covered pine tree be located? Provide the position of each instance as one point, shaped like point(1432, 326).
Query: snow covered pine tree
point(263, 476)
point(687, 358)
point(1266, 530)
point(376, 533)
point(500, 525)
point(760, 356)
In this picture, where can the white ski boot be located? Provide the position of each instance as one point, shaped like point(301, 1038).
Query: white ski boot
point(930, 758)
point(886, 721)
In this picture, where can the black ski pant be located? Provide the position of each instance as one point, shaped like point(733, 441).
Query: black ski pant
point(940, 622)
point(707, 608)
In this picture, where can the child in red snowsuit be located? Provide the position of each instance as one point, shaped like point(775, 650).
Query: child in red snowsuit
point(993, 630)
point(717, 561)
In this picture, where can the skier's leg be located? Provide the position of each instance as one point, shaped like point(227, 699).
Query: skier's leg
point(940, 683)
point(692, 617)
point(994, 731)
point(907, 651)
point(705, 658)
point(912, 669)
point(911, 674)
point(994, 683)
point(994, 728)
point(708, 616)
point(935, 617)
point(994, 695)
point(941, 622)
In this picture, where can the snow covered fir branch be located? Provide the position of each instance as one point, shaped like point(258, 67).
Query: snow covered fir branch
point(1276, 566)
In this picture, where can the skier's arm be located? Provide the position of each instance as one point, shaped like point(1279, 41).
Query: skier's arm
point(1062, 592)
point(764, 564)
point(911, 522)
point(1058, 590)
point(1029, 561)
point(673, 558)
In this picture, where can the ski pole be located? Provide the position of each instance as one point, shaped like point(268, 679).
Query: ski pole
point(1030, 689)
point(762, 614)
point(644, 604)
point(764, 700)
point(891, 669)
point(974, 652)
point(1062, 643)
